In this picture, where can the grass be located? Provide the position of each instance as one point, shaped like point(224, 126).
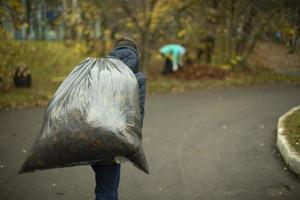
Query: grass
point(45, 86)
point(292, 125)
point(51, 62)
point(166, 85)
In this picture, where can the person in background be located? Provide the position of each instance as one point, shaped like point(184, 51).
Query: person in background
point(278, 36)
point(172, 54)
point(108, 174)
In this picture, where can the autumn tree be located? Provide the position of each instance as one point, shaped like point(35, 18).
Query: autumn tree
point(235, 26)
point(292, 13)
point(11, 12)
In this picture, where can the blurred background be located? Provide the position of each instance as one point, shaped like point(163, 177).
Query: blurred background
point(228, 42)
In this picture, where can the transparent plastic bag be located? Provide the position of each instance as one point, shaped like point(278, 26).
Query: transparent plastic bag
point(93, 117)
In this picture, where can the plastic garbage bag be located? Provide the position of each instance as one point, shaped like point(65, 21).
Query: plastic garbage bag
point(94, 116)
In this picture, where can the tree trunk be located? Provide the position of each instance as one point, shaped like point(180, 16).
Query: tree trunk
point(144, 51)
point(232, 29)
point(103, 43)
point(296, 42)
point(252, 45)
point(103, 26)
point(210, 48)
point(28, 17)
point(246, 31)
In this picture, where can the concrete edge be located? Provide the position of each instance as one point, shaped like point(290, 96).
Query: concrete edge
point(291, 158)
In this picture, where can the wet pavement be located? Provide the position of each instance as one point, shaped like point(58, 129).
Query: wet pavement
point(210, 144)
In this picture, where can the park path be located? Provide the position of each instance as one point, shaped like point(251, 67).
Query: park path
point(216, 144)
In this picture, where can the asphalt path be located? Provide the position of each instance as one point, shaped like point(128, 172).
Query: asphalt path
point(216, 144)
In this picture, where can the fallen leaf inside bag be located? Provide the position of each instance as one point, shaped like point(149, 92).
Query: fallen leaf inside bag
point(94, 116)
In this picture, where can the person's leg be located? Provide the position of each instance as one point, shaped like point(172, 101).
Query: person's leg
point(107, 181)
point(165, 70)
point(169, 66)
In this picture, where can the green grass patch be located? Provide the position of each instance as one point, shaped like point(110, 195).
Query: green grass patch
point(51, 62)
point(166, 85)
point(44, 86)
point(292, 126)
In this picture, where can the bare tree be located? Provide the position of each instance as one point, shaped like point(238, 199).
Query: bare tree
point(145, 9)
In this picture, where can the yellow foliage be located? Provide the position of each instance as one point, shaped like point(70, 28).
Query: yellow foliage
point(238, 58)
point(161, 13)
point(182, 33)
point(80, 48)
point(129, 25)
point(226, 67)
point(233, 62)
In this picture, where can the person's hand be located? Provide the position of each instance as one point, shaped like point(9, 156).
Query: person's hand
point(175, 67)
point(180, 63)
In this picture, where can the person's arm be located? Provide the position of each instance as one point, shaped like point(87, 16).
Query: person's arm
point(175, 58)
point(181, 53)
point(142, 91)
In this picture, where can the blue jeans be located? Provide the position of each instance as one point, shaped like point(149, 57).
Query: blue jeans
point(107, 181)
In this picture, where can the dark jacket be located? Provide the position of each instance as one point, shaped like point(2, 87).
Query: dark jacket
point(130, 57)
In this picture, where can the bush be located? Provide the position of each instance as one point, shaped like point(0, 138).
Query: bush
point(8, 51)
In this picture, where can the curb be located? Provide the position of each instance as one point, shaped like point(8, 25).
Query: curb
point(291, 158)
